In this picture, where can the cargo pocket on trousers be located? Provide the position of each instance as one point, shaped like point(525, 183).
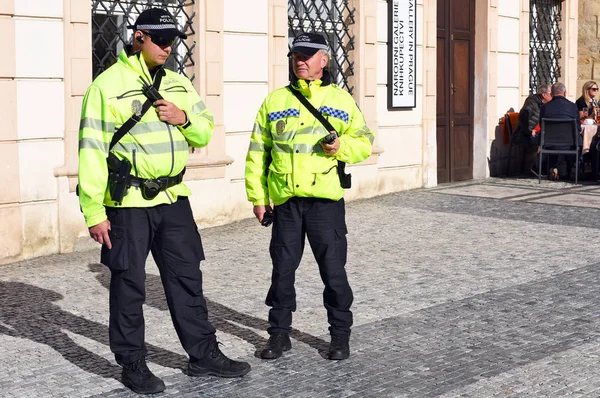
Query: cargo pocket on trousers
point(116, 258)
point(341, 244)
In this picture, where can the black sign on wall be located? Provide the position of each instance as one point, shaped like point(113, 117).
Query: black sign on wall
point(402, 54)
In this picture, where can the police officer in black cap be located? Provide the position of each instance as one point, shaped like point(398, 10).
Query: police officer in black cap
point(302, 133)
point(159, 220)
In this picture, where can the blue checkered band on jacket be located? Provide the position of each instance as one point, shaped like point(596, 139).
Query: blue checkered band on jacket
point(282, 114)
point(335, 113)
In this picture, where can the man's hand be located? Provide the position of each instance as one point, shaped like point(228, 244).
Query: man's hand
point(331, 149)
point(259, 212)
point(99, 233)
point(169, 113)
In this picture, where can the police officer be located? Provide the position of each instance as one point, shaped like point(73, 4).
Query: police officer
point(150, 211)
point(290, 165)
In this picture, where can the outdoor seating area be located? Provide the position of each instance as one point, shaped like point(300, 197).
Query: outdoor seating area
point(553, 132)
point(553, 137)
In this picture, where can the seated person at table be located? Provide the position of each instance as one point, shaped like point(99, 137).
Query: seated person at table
point(587, 99)
point(529, 117)
point(560, 108)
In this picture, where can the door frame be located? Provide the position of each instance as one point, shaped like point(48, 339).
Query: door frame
point(484, 92)
point(454, 139)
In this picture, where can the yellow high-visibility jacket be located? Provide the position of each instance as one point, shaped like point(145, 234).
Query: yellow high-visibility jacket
point(285, 157)
point(154, 148)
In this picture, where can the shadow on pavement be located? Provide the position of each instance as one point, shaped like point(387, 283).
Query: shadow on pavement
point(28, 312)
point(223, 318)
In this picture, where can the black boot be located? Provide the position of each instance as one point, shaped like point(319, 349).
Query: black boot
point(140, 379)
point(340, 347)
point(277, 344)
point(217, 364)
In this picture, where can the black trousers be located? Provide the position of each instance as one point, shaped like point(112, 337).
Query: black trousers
point(323, 221)
point(169, 231)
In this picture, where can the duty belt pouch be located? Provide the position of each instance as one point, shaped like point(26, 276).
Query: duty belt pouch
point(150, 188)
point(345, 179)
point(118, 175)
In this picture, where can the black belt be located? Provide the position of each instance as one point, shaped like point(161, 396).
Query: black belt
point(163, 182)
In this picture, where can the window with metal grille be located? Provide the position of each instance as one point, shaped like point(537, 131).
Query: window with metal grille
point(110, 34)
point(332, 18)
point(544, 38)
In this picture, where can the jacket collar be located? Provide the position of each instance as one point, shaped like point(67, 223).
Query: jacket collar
point(559, 98)
point(305, 86)
point(136, 63)
point(538, 97)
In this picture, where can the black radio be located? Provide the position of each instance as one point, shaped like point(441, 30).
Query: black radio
point(329, 138)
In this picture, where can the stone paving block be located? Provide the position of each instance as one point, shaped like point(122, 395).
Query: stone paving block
point(455, 296)
point(581, 200)
point(490, 191)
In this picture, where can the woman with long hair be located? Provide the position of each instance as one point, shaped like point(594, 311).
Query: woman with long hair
point(588, 99)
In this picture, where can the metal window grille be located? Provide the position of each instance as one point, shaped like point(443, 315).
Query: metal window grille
point(110, 34)
point(332, 18)
point(544, 39)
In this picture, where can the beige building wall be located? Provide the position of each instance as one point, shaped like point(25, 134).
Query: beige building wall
point(509, 50)
point(569, 62)
point(241, 56)
point(33, 114)
point(407, 136)
point(588, 42)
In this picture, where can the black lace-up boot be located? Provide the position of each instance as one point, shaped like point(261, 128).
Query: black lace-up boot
point(217, 364)
point(340, 347)
point(140, 379)
point(277, 344)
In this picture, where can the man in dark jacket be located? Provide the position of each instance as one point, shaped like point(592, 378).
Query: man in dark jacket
point(529, 115)
point(529, 118)
point(560, 108)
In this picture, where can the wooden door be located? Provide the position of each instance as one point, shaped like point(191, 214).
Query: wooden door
point(455, 89)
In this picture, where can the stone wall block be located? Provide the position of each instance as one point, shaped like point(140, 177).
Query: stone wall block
point(11, 244)
point(7, 32)
point(588, 43)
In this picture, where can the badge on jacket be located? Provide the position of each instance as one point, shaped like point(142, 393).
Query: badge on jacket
point(280, 126)
point(136, 107)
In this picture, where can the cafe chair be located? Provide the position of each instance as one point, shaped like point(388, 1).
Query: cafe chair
point(559, 133)
point(516, 137)
point(596, 160)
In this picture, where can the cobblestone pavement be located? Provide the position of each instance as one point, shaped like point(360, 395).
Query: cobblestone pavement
point(480, 289)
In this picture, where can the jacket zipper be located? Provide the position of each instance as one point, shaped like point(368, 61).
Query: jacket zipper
point(130, 93)
point(134, 162)
point(168, 127)
point(172, 157)
point(172, 149)
point(176, 89)
point(170, 138)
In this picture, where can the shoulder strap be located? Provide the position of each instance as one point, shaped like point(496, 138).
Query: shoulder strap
point(128, 125)
point(319, 116)
point(312, 109)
